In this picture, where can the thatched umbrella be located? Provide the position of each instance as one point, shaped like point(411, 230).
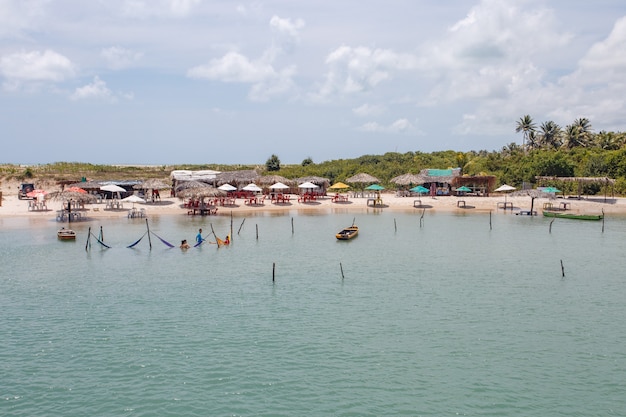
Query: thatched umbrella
point(362, 178)
point(201, 192)
point(81, 197)
point(405, 179)
point(185, 185)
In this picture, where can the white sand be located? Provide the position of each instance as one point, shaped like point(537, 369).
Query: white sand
point(12, 206)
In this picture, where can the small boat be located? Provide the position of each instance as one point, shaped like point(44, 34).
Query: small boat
point(66, 234)
point(569, 215)
point(348, 233)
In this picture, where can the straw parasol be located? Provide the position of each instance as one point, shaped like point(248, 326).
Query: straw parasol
point(201, 192)
point(72, 194)
point(362, 178)
point(405, 179)
point(185, 185)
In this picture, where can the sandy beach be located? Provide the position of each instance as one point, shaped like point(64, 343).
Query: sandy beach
point(14, 207)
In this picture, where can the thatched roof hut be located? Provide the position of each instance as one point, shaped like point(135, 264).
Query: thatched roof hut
point(237, 178)
point(445, 176)
point(479, 183)
point(273, 179)
point(604, 181)
point(321, 181)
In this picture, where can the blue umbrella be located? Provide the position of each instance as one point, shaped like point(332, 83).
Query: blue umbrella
point(375, 187)
point(419, 189)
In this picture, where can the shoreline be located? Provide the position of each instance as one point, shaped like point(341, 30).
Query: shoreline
point(12, 207)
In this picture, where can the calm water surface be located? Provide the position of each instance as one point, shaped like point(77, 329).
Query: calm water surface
point(453, 316)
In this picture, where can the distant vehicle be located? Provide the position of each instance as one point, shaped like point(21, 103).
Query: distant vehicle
point(24, 189)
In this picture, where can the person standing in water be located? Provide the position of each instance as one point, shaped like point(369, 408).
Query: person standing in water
point(199, 238)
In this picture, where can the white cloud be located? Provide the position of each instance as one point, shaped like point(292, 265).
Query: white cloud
point(234, 67)
point(97, 90)
point(287, 26)
point(36, 66)
point(354, 70)
point(158, 8)
point(399, 126)
point(366, 110)
point(120, 58)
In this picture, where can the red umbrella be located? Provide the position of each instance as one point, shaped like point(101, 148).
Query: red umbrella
point(36, 193)
point(75, 190)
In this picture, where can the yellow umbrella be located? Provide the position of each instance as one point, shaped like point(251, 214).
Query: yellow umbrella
point(338, 186)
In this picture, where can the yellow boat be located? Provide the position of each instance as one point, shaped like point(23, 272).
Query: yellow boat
point(348, 233)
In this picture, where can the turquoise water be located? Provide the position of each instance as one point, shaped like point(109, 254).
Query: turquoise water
point(449, 317)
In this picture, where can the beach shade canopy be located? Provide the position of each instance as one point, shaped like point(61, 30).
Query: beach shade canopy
point(279, 186)
point(338, 186)
point(133, 199)
point(308, 185)
point(185, 185)
point(375, 187)
point(201, 192)
point(406, 179)
point(86, 185)
point(113, 188)
point(504, 188)
point(550, 190)
point(273, 179)
point(227, 187)
point(72, 194)
point(36, 193)
point(362, 178)
point(419, 189)
point(464, 189)
point(152, 184)
point(252, 187)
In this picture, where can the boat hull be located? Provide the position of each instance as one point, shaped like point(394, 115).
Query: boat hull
point(66, 234)
point(574, 216)
point(348, 233)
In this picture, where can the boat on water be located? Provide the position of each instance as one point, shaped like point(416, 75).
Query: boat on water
point(569, 215)
point(348, 233)
point(66, 234)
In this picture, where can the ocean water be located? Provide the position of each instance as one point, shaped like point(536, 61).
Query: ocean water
point(449, 314)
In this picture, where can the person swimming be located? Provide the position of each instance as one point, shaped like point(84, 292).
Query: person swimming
point(184, 244)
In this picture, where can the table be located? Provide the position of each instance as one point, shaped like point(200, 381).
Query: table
point(338, 198)
point(460, 203)
point(375, 201)
point(505, 205)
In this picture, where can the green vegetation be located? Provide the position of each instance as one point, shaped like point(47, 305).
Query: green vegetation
point(546, 151)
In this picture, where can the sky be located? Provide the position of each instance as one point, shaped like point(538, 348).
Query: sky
point(163, 82)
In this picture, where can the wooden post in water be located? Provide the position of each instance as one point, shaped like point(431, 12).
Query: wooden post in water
point(603, 219)
point(257, 231)
point(231, 226)
point(341, 267)
point(395, 226)
point(101, 238)
point(88, 236)
point(550, 229)
point(292, 225)
point(273, 271)
point(562, 269)
point(490, 228)
point(422, 217)
point(149, 240)
point(240, 226)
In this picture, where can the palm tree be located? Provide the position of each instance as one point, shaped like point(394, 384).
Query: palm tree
point(572, 137)
point(550, 135)
point(584, 129)
point(526, 125)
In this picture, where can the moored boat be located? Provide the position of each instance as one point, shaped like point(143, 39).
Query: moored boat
point(66, 234)
point(569, 215)
point(348, 233)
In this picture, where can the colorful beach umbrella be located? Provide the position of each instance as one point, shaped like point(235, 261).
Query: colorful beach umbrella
point(375, 187)
point(338, 186)
point(419, 189)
